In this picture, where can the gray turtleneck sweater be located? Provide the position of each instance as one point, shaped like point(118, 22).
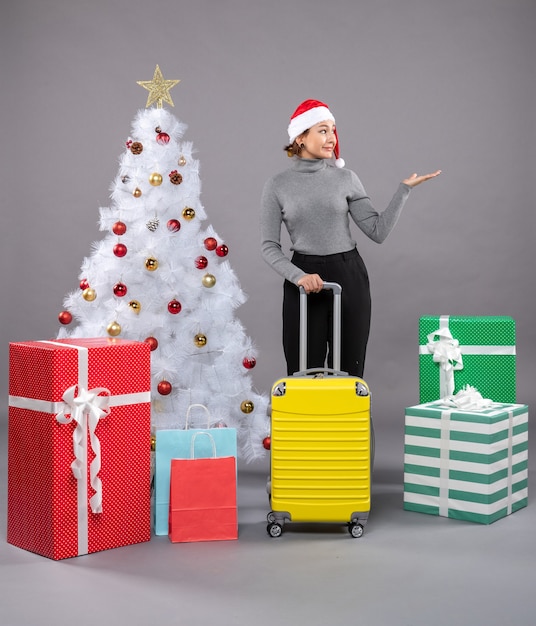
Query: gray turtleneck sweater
point(315, 201)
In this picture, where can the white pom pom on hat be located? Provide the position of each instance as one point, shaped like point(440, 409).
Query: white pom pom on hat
point(309, 113)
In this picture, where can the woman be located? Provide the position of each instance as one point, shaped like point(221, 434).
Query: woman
point(315, 201)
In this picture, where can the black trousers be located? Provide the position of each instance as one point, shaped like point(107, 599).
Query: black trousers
point(347, 269)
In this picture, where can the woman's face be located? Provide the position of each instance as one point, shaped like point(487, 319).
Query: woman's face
point(319, 142)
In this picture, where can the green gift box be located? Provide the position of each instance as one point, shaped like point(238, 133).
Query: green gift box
point(467, 465)
point(455, 351)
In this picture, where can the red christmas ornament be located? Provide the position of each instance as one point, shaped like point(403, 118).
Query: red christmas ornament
point(164, 388)
point(210, 243)
point(201, 262)
point(266, 443)
point(119, 228)
point(174, 226)
point(120, 290)
point(65, 317)
point(120, 249)
point(222, 250)
point(249, 362)
point(162, 139)
point(84, 284)
point(174, 307)
point(153, 343)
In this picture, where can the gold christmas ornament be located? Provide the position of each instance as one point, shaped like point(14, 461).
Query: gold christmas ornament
point(155, 179)
point(188, 213)
point(200, 340)
point(137, 192)
point(114, 329)
point(153, 443)
point(208, 280)
point(182, 160)
point(158, 89)
point(247, 406)
point(89, 294)
point(135, 306)
point(151, 264)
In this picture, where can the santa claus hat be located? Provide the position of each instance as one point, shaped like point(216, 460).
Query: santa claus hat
point(309, 113)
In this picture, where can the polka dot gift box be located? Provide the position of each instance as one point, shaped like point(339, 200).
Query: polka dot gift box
point(79, 435)
point(455, 351)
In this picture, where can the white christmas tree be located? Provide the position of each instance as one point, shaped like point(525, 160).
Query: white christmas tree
point(159, 276)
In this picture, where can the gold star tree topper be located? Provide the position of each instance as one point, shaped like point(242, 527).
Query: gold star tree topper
point(158, 89)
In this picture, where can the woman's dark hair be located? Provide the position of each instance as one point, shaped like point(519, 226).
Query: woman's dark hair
point(293, 149)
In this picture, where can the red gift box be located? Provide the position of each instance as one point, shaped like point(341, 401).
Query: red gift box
point(78, 445)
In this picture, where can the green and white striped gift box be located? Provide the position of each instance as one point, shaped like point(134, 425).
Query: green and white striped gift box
point(485, 347)
point(467, 465)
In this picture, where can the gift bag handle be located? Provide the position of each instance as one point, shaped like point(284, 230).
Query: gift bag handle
point(212, 443)
point(202, 406)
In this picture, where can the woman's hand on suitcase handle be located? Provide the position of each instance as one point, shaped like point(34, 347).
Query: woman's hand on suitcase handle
point(312, 283)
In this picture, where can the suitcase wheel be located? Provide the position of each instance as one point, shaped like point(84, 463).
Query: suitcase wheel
point(356, 530)
point(270, 517)
point(274, 529)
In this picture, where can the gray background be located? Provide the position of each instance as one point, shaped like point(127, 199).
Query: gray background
point(415, 85)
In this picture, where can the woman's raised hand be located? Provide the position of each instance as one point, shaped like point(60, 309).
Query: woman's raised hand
point(414, 179)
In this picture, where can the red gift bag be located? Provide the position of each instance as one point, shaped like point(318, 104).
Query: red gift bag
point(202, 497)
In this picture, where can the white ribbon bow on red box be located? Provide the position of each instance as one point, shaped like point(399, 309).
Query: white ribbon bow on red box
point(86, 409)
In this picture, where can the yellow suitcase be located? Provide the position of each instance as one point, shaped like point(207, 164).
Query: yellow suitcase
point(321, 441)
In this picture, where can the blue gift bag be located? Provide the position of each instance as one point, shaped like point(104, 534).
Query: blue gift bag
point(176, 444)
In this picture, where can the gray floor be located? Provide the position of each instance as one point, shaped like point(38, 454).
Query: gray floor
point(407, 569)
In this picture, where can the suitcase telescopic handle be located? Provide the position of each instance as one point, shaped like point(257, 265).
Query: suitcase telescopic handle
point(337, 291)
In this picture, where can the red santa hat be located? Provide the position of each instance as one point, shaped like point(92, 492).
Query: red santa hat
point(309, 113)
